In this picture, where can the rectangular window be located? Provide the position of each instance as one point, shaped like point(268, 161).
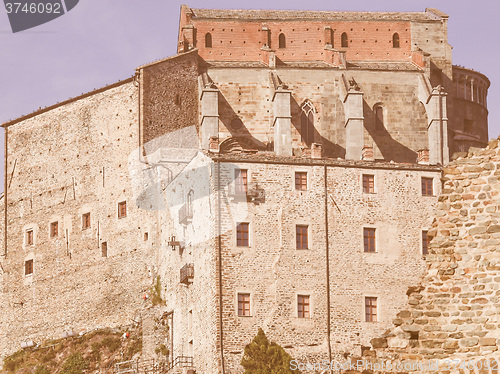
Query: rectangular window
point(104, 249)
point(370, 309)
point(369, 239)
point(86, 221)
point(122, 209)
point(427, 189)
point(28, 267)
point(240, 181)
point(301, 180)
point(424, 243)
point(54, 229)
point(242, 234)
point(29, 237)
point(303, 306)
point(301, 235)
point(244, 304)
point(368, 183)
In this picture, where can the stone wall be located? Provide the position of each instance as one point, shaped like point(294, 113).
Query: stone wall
point(454, 312)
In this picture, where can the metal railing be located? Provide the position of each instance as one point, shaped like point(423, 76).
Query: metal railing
point(150, 366)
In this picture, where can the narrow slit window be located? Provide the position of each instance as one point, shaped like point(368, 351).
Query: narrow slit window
point(307, 123)
point(379, 118)
point(395, 40)
point(343, 40)
point(425, 243)
point(86, 221)
point(104, 249)
point(29, 237)
point(282, 41)
point(208, 40)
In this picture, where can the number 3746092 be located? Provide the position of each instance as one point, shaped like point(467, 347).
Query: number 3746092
point(52, 8)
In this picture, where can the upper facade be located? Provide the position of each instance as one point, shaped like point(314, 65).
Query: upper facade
point(379, 84)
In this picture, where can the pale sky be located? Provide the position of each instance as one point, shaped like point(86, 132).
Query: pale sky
point(102, 41)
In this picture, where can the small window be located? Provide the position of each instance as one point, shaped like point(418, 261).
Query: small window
point(379, 118)
point(301, 235)
point(343, 40)
point(241, 181)
point(369, 239)
point(244, 304)
point(208, 40)
point(427, 188)
point(86, 221)
point(146, 236)
point(425, 248)
point(303, 306)
point(54, 229)
point(370, 309)
point(104, 249)
point(301, 180)
point(122, 209)
point(242, 234)
point(28, 267)
point(29, 237)
point(282, 41)
point(368, 183)
point(395, 40)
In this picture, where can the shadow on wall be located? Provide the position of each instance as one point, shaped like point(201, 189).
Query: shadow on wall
point(388, 146)
point(329, 149)
point(232, 121)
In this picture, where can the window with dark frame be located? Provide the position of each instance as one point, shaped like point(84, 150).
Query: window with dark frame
point(85, 221)
point(244, 304)
point(369, 239)
point(301, 180)
point(425, 248)
point(54, 229)
point(368, 183)
point(303, 306)
point(395, 40)
point(29, 237)
point(122, 209)
point(427, 186)
point(104, 249)
point(301, 235)
point(208, 40)
point(370, 309)
point(240, 181)
point(28, 267)
point(242, 234)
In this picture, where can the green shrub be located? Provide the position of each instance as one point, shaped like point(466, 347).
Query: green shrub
point(162, 349)
point(113, 344)
point(156, 292)
point(74, 364)
point(49, 356)
point(14, 361)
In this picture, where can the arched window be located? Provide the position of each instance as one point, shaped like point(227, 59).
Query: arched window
point(395, 40)
point(343, 40)
point(189, 202)
point(379, 118)
point(307, 123)
point(208, 40)
point(282, 41)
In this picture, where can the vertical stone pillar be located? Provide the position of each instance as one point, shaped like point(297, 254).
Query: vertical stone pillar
point(209, 115)
point(437, 129)
point(282, 122)
point(354, 123)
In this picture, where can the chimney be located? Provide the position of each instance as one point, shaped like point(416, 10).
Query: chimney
point(213, 144)
point(316, 150)
point(423, 156)
point(368, 153)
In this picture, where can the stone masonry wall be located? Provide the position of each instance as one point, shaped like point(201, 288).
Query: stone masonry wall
point(454, 313)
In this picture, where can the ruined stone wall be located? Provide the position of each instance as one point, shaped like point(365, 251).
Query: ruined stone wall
point(453, 313)
point(64, 163)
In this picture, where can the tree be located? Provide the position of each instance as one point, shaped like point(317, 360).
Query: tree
point(263, 357)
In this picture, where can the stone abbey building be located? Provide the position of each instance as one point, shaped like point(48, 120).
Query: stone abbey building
point(281, 171)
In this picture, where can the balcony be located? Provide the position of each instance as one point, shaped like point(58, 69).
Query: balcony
point(187, 274)
point(185, 214)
